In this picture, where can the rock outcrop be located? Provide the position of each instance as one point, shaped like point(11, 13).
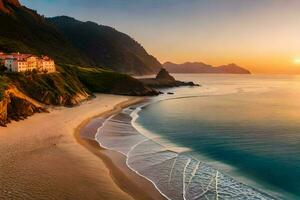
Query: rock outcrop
point(17, 106)
point(165, 80)
point(164, 75)
point(133, 88)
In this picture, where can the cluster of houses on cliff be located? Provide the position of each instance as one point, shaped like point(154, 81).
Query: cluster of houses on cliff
point(16, 62)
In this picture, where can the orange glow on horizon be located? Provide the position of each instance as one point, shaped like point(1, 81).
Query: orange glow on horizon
point(260, 64)
point(297, 61)
point(265, 62)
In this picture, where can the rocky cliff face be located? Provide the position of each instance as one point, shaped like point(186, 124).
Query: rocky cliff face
point(17, 106)
point(164, 75)
point(61, 89)
point(3, 111)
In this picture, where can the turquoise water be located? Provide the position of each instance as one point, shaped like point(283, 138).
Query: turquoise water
point(247, 127)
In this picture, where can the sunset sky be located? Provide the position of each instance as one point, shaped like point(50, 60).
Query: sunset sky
point(262, 35)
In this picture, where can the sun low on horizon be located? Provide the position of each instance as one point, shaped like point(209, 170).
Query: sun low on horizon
point(297, 61)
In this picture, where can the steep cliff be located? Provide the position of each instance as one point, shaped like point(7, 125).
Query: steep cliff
point(61, 88)
point(105, 46)
point(14, 105)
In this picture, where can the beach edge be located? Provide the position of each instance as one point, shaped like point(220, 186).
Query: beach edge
point(127, 180)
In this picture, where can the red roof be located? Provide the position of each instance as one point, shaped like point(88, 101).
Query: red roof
point(21, 56)
point(2, 55)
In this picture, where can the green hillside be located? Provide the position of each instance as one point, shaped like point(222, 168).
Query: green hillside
point(23, 30)
point(73, 84)
point(106, 46)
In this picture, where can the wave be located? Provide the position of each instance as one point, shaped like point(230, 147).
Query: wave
point(175, 174)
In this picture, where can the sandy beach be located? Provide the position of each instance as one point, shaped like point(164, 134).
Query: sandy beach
point(41, 159)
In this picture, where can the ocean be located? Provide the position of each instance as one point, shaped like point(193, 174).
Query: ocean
point(235, 137)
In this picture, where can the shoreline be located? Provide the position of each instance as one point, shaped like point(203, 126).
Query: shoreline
point(139, 187)
point(41, 159)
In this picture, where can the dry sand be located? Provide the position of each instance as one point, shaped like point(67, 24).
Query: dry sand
point(41, 159)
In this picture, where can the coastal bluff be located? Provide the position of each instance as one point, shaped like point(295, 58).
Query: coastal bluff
point(17, 106)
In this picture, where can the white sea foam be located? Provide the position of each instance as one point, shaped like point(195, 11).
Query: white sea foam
point(174, 172)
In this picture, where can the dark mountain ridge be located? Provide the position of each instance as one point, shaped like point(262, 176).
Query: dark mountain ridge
point(106, 46)
point(23, 30)
point(70, 41)
point(199, 67)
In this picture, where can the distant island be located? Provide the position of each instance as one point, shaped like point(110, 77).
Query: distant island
point(200, 67)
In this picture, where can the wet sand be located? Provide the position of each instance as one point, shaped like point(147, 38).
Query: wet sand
point(41, 159)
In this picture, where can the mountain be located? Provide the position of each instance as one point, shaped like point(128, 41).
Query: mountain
point(105, 46)
point(199, 67)
point(69, 41)
point(232, 69)
point(23, 30)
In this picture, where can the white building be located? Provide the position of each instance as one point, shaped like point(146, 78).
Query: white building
point(46, 64)
point(26, 62)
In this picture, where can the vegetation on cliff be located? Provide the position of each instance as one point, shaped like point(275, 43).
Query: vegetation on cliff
point(107, 81)
point(105, 46)
point(51, 89)
point(73, 84)
point(68, 87)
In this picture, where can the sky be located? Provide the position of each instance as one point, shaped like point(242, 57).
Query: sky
point(261, 35)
